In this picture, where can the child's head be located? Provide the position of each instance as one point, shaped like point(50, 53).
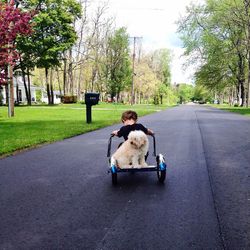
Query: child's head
point(129, 115)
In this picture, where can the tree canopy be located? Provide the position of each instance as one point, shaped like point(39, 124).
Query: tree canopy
point(216, 39)
point(14, 23)
point(118, 67)
point(79, 52)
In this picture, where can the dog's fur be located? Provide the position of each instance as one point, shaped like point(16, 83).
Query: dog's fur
point(132, 152)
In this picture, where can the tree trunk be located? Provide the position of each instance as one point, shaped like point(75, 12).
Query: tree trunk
point(1, 96)
point(29, 91)
point(248, 83)
point(118, 97)
point(242, 88)
point(238, 93)
point(241, 78)
point(247, 4)
point(231, 96)
point(11, 91)
point(161, 97)
point(51, 86)
point(58, 80)
point(24, 82)
point(79, 82)
point(7, 94)
point(17, 94)
point(47, 86)
point(70, 73)
point(94, 72)
point(65, 77)
point(248, 95)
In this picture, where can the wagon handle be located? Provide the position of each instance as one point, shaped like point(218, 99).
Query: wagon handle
point(109, 145)
point(154, 153)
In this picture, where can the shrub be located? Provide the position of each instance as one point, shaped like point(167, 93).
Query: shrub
point(69, 99)
point(39, 95)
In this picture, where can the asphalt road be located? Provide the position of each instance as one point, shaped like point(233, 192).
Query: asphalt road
point(60, 196)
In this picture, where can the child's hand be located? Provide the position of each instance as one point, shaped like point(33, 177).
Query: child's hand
point(115, 132)
point(150, 132)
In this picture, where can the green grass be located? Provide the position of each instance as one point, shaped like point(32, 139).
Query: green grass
point(239, 110)
point(42, 124)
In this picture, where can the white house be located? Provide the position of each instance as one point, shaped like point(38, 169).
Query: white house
point(57, 97)
point(18, 81)
point(19, 90)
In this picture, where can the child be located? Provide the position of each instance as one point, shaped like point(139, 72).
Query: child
point(129, 119)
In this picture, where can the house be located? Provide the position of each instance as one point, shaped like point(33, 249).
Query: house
point(19, 91)
point(57, 97)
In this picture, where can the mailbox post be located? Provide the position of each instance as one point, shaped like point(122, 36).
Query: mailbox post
point(90, 99)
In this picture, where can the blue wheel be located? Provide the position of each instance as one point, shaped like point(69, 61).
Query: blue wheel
point(161, 168)
point(161, 174)
point(114, 174)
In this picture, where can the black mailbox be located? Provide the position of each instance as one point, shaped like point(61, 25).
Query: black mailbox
point(90, 99)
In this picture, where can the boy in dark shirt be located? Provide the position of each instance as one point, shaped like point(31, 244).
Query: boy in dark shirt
point(129, 119)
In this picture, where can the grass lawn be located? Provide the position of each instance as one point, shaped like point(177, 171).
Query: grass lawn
point(239, 110)
point(42, 124)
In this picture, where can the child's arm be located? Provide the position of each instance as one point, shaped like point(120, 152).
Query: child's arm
point(115, 132)
point(150, 132)
point(118, 132)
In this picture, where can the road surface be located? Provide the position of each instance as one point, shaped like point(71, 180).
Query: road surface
point(60, 196)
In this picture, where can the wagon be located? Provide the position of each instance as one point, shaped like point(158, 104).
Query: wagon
point(160, 167)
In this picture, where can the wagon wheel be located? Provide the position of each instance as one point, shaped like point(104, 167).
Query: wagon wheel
point(114, 178)
point(113, 171)
point(161, 169)
point(161, 174)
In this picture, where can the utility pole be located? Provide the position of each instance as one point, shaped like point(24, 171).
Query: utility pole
point(133, 70)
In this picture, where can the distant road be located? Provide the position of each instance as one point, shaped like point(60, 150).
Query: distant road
point(60, 196)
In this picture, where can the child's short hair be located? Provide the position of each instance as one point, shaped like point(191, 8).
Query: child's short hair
point(128, 115)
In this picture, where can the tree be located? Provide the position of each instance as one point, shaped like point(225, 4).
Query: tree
point(53, 35)
point(161, 60)
point(14, 23)
point(185, 92)
point(146, 82)
point(202, 94)
point(118, 63)
point(216, 37)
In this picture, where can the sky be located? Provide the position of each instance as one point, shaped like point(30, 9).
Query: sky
point(154, 21)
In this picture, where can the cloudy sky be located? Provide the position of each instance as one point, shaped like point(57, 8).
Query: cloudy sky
point(154, 20)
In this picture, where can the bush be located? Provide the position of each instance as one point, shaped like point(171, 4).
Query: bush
point(39, 95)
point(69, 99)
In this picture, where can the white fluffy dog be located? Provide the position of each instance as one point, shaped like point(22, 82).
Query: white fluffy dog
point(132, 152)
